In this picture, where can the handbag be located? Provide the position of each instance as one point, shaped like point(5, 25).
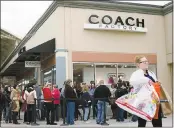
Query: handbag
point(24, 106)
point(141, 102)
point(13, 105)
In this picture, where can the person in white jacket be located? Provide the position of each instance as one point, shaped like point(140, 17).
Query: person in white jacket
point(144, 76)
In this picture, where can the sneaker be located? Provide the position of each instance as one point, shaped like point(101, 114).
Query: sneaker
point(87, 122)
point(16, 123)
point(104, 124)
point(28, 123)
point(53, 123)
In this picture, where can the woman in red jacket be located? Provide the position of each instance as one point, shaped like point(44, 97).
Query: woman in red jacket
point(56, 96)
point(48, 101)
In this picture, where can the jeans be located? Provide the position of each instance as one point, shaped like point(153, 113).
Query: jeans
point(8, 114)
point(70, 112)
point(100, 112)
point(30, 113)
point(120, 114)
point(43, 111)
point(134, 118)
point(4, 113)
point(0, 115)
point(86, 112)
point(49, 108)
point(57, 112)
point(14, 117)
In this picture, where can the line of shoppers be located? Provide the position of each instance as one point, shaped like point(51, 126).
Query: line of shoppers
point(49, 105)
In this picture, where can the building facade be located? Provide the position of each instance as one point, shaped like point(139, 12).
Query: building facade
point(8, 43)
point(92, 41)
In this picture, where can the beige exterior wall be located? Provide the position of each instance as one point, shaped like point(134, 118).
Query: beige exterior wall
point(168, 34)
point(53, 27)
point(66, 25)
point(78, 39)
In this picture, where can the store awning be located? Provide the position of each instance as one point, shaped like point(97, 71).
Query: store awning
point(34, 54)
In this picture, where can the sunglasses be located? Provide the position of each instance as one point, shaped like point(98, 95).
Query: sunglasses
point(144, 62)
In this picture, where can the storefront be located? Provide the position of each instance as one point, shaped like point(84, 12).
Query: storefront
point(99, 40)
point(109, 72)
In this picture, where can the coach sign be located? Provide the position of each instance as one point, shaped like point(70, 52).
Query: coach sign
point(32, 64)
point(107, 22)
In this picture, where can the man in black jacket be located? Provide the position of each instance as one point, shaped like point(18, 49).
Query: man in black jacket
point(70, 98)
point(2, 103)
point(103, 93)
point(7, 104)
point(121, 90)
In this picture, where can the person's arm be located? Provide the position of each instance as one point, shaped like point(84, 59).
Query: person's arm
point(95, 93)
point(138, 79)
point(12, 95)
point(109, 93)
point(25, 98)
point(40, 92)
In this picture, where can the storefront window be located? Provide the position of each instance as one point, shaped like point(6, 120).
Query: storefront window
point(125, 71)
point(83, 72)
point(110, 73)
point(106, 72)
point(49, 75)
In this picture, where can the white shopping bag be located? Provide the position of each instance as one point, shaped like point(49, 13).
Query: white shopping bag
point(141, 102)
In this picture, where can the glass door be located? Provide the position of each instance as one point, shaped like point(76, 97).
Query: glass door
point(106, 72)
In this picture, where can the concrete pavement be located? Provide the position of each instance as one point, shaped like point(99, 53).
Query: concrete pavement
point(167, 122)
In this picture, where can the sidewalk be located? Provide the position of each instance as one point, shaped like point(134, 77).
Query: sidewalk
point(167, 122)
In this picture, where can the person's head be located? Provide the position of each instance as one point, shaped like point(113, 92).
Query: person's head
point(74, 83)
point(69, 83)
point(6, 89)
point(14, 86)
point(30, 89)
point(101, 82)
point(113, 86)
point(82, 84)
point(48, 85)
point(85, 88)
point(142, 62)
point(55, 86)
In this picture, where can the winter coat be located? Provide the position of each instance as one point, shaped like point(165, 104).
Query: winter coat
point(30, 96)
point(56, 96)
point(86, 99)
point(137, 78)
point(2, 101)
point(47, 94)
point(15, 96)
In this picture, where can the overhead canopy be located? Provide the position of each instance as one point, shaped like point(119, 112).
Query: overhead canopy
point(34, 54)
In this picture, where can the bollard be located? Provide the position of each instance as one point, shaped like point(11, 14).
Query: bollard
point(34, 114)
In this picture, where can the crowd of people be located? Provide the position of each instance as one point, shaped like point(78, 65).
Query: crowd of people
point(45, 102)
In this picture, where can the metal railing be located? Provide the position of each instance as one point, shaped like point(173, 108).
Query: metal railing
point(65, 100)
